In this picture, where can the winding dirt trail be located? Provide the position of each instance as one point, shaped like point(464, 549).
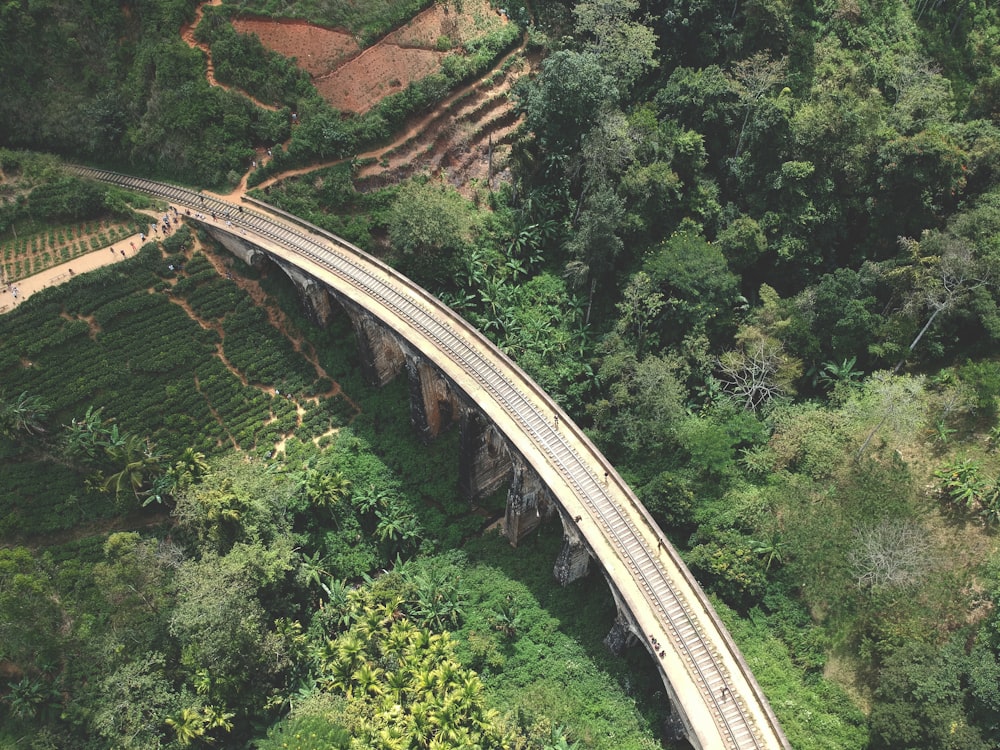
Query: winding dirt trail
point(415, 128)
point(187, 34)
point(280, 321)
point(277, 318)
point(338, 72)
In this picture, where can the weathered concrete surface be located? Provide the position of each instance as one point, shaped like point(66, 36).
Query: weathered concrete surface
point(314, 295)
point(485, 463)
point(621, 636)
point(435, 402)
point(246, 251)
point(574, 558)
point(382, 357)
point(529, 501)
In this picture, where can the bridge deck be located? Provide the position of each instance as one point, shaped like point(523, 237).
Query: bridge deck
point(720, 702)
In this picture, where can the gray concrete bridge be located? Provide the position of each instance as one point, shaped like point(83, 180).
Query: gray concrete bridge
point(513, 433)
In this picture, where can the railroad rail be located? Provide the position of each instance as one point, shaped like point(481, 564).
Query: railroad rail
point(720, 702)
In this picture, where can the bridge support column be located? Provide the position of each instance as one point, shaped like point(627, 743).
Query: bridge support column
point(434, 401)
point(528, 502)
point(382, 356)
point(625, 630)
point(314, 295)
point(621, 636)
point(485, 462)
point(674, 728)
point(245, 251)
point(574, 558)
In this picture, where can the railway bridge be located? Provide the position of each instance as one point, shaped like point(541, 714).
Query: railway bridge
point(512, 432)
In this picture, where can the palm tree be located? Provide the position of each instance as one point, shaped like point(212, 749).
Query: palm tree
point(338, 676)
point(424, 684)
point(368, 678)
point(448, 674)
point(83, 436)
point(469, 691)
point(340, 598)
point(23, 413)
point(439, 647)
point(397, 685)
point(26, 697)
point(371, 500)
point(190, 465)
point(312, 569)
point(189, 725)
point(397, 643)
point(350, 649)
point(371, 623)
point(215, 719)
point(140, 461)
point(771, 549)
point(390, 526)
point(446, 716)
point(559, 741)
point(326, 490)
point(438, 600)
point(391, 738)
point(831, 374)
point(421, 730)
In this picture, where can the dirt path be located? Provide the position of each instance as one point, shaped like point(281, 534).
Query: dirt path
point(416, 127)
point(277, 318)
point(62, 273)
point(354, 79)
point(435, 130)
point(187, 34)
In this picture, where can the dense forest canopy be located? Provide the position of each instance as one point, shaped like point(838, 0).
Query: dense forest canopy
point(750, 246)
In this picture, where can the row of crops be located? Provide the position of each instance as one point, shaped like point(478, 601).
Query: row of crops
point(116, 339)
point(26, 255)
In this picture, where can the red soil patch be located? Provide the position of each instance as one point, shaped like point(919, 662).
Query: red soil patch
point(355, 82)
point(316, 50)
point(428, 26)
point(384, 69)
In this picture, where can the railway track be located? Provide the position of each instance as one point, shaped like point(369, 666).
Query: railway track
point(728, 693)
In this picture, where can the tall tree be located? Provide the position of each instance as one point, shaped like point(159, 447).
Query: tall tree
point(567, 98)
point(626, 48)
point(759, 371)
point(428, 225)
point(952, 274)
point(889, 399)
point(596, 243)
point(29, 612)
point(753, 78)
point(139, 463)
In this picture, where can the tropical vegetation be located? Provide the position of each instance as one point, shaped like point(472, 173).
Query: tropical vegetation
point(749, 247)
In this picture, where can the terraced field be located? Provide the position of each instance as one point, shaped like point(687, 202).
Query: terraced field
point(455, 141)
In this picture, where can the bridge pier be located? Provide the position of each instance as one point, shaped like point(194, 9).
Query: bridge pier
point(714, 697)
point(435, 402)
point(246, 251)
point(621, 636)
point(314, 295)
point(625, 631)
point(529, 501)
point(382, 357)
point(674, 728)
point(485, 462)
point(573, 561)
